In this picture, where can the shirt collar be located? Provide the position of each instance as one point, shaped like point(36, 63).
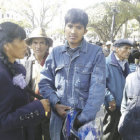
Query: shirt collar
point(121, 62)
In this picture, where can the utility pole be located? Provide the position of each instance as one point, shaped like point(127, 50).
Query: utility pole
point(114, 12)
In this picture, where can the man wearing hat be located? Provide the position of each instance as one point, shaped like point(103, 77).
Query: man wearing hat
point(39, 44)
point(107, 48)
point(117, 68)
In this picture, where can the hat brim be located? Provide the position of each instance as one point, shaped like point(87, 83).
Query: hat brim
point(49, 40)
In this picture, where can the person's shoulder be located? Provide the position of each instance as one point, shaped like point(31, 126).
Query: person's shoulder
point(131, 76)
point(58, 49)
point(93, 46)
point(4, 75)
point(2, 68)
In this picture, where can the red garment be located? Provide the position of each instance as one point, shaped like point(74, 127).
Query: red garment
point(43, 61)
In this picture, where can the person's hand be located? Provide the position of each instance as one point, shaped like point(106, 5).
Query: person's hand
point(46, 104)
point(62, 109)
point(112, 105)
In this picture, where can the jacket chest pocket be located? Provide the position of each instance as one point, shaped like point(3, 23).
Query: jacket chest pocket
point(83, 76)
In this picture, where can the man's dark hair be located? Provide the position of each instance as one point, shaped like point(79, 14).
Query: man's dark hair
point(76, 16)
point(134, 54)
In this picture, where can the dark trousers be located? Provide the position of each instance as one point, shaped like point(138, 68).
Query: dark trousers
point(42, 130)
point(110, 125)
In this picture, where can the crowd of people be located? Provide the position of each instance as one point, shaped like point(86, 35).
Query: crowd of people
point(38, 88)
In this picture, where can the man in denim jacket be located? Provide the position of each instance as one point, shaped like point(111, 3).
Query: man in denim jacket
point(73, 75)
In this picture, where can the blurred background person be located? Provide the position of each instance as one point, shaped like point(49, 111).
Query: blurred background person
point(106, 48)
point(133, 59)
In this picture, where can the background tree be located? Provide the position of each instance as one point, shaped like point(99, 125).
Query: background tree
point(35, 13)
point(101, 17)
point(8, 14)
point(40, 13)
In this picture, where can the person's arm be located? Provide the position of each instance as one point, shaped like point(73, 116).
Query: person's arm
point(96, 90)
point(61, 109)
point(26, 115)
point(109, 98)
point(126, 121)
point(124, 99)
point(47, 86)
point(47, 81)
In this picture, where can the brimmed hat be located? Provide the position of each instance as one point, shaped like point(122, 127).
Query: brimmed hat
point(123, 42)
point(39, 33)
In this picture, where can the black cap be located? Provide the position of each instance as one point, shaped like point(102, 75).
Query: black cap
point(123, 42)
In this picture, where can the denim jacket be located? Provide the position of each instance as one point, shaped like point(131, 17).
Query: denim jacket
point(77, 81)
point(115, 80)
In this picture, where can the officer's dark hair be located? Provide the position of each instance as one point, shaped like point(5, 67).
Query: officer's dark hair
point(75, 15)
point(8, 33)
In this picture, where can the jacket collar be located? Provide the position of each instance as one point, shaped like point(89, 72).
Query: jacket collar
point(83, 47)
point(113, 59)
point(115, 62)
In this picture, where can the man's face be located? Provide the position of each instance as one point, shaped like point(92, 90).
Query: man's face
point(74, 33)
point(39, 47)
point(123, 52)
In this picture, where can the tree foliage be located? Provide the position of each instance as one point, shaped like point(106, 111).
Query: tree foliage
point(35, 13)
point(101, 17)
point(6, 7)
point(42, 13)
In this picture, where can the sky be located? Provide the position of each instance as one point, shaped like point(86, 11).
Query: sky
point(81, 3)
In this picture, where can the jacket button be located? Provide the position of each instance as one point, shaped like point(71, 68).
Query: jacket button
point(21, 118)
point(27, 116)
point(36, 112)
point(31, 114)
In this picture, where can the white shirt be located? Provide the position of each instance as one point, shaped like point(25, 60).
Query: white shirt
point(121, 62)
